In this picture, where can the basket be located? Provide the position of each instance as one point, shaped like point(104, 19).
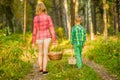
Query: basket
point(55, 55)
point(72, 60)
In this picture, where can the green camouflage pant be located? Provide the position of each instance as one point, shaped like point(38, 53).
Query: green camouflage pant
point(78, 52)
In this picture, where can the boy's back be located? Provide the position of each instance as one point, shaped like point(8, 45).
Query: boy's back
point(78, 35)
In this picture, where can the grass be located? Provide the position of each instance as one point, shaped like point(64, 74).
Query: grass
point(16, 59)
point(106, 54)
point(14, 64)
point(61, 70)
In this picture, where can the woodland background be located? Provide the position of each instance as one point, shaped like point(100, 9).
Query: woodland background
point(100, 18)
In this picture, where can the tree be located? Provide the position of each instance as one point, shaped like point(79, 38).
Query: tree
point(24, 31)
point(6, 5)
point(76, 7)
point(105, 20)
point(67, 22)
point(90, 20)
point(116, 11)
point(94, 16)
point(72, 11)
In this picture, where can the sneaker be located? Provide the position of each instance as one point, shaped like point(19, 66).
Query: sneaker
point(45, 72)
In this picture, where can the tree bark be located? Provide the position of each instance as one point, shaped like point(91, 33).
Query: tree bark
point(90, 20)
point(76, 7)
point(116, 15)
point(68, 28)
point(105, 20)
point(24, 31)
point(72, 11)
point(94, 16)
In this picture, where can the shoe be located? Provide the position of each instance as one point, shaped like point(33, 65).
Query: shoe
point(45, 72)
point(40, 70)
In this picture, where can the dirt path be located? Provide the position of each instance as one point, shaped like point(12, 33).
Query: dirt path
point(100, 70)
point(35, 74)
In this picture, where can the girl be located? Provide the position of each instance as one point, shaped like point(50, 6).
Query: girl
point(43, 32)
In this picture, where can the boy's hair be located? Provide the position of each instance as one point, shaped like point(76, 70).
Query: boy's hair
point(78, 19)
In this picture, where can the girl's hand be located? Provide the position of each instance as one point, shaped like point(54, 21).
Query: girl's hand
point(33, 45)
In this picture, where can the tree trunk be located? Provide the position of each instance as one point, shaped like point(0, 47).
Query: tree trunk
point(72, 11)
point(76, 7)
point(116, 15)
point(90, 20)
point(54, 12)
point(9, 18)
point(58, 12)
point(86, 18)
point(24, 31)
point(94, 16)
point(68, 28)
point(105, 20)
point(62, 24)
point(32, 4)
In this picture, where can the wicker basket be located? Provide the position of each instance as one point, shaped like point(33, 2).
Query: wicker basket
point(55, 55)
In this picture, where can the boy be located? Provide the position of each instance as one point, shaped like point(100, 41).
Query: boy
point(78, 38)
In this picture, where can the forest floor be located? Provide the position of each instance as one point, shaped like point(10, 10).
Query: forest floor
point(99, 69)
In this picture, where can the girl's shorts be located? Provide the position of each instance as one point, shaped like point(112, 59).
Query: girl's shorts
point(44, 40)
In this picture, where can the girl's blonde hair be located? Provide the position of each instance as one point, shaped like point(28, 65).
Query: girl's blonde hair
point(40, 8)
point(78, 19)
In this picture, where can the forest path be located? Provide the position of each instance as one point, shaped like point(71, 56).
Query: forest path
point(99, 69)
point(35, 74)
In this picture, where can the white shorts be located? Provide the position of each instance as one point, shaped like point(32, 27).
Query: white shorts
point(44, 40)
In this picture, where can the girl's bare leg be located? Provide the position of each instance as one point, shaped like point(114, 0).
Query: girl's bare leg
point(40, 54)
point(45, 58)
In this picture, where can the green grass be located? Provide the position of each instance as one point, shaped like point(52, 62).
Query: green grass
point(61, 70)
point(16, 59)
point(106, 54)
point(13, 65)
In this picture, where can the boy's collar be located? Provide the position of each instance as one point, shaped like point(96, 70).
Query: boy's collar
point(77, 25)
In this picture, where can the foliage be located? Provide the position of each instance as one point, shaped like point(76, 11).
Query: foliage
point(107, 54)
point(14, 62)
point(61, 70)
point(60, 33)
point(5, 31)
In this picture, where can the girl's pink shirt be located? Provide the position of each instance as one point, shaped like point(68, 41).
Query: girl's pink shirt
point(43, 28)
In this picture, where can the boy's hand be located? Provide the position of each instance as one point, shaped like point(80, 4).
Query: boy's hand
point(72, 46)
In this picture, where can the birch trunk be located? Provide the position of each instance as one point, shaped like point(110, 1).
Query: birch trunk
point(67, 19)
point(105, 20)
point(72, 11)
point(90, 20)
point(24, 31)
point(76, 7)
